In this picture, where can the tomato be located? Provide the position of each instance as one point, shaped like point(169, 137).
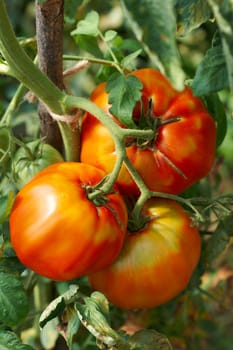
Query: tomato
point(32, 158)
point(57, 231)
point(156, 262)
point(183, 149)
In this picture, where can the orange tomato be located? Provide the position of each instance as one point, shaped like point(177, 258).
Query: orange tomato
point(57, 231)
point(155, 263)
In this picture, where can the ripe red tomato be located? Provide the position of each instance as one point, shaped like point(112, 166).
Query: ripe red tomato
point(182, 151)
point(57, 231)
point(155, 263)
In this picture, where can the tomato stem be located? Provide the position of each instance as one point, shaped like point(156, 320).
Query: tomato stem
point(93, 60)
point(22, 67)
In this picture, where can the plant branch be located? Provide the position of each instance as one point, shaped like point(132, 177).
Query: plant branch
point(22, 67)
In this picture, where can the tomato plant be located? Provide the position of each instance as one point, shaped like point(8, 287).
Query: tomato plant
point(32, 157)
point(57, 231)
point(142, 127)
point(182, 150)
point(156, 262)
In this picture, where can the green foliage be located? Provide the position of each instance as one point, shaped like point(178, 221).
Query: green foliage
point(6, 202)
point(58, 305)
point(219, 240)
point(216, 108)
point(161, 39)
point(224, 18)
point(88, 26)
point(9, 341)
point(191, 14)
point(213, 67)
point(70, 8)
point(14, 303)
point(129, 89)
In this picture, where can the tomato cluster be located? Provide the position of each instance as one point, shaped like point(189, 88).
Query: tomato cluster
point(63, 227)
point(182, 151)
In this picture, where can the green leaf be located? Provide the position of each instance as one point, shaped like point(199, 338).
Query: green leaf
point(10, 264)
point(70, 9)
point(71, 331)
point(211, 74)
point(94, 315)
point(6, 203)
point(58, 305)
point(9, 341)
point(89, 44)
point(219, 240)
point(88, 26)
point(124, 92)
point(13, 300)
point(128, 61)
point(217, 110)
point(224, 18)
point(158, 31)
point(191, 14)
point(149, 339)
point(110, 35)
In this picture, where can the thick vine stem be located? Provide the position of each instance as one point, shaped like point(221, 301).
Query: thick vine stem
point(22, 67)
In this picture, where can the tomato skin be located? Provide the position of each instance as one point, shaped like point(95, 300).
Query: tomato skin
point(183, 151)
point(57, 231)
point(155, 263)
point(26, 166)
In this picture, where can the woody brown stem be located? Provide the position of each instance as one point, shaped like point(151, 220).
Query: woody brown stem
point(49, 28)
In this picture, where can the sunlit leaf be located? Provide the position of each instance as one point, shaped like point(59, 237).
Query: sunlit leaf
point(191, 14)
point(88, 26)
point(124, 92)
point(129, 60)
point(94, 316)
point(158, 31)
point(58, 305)
point(110, 35)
